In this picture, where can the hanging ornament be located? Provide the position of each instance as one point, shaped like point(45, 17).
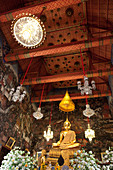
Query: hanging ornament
point(67, 104)
point(49, 134)
point(86, 89)
point(89, 133)
point(38, 114)
point(88, 112)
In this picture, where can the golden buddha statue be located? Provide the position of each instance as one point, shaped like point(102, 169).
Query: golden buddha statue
point(66, 146)
point(67, 137)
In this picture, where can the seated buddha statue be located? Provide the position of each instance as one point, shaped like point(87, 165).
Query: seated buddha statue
point(67, 137)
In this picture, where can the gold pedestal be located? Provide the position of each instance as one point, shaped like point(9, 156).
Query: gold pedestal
point(67, 154)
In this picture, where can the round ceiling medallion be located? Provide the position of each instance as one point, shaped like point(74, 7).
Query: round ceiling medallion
point(28, 30)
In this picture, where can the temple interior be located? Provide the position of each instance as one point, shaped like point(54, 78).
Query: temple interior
point(56, 78)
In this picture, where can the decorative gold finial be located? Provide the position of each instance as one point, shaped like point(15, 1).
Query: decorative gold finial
point(67, 104)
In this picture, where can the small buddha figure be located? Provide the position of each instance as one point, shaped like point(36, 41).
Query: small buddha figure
point(42, 160)
point(67, 137)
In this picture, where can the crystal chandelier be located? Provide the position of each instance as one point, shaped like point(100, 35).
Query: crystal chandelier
point(28, 30)
point(17, 95)
point(89, 133)
point(38, 114)
point(88, 112)
point(86, 89)
point(49, 134)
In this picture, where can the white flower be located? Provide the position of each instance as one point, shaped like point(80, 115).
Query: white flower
point(107, 151)
point(79, 151)
point(90, 152)
point(15, 160)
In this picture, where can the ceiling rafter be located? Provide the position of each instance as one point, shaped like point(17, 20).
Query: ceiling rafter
point(74, 96)
point(59, 48)
point(95, 56)
point(67, 76)
point(38, 8)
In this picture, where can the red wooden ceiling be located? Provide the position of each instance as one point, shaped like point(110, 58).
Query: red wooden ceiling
point(70, 25)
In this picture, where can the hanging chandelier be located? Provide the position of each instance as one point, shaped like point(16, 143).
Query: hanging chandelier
point(88, 112)
point(28, 30)
point(89, 133)
point(17, 95)
point(86, 89)
point(49, 134)
point(38, 114)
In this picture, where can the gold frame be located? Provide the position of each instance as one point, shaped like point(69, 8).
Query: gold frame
point(10, 143)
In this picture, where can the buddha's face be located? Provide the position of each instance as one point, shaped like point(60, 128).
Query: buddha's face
point(67, 125)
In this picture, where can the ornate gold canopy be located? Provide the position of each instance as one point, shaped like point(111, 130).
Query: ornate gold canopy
point(66, 104)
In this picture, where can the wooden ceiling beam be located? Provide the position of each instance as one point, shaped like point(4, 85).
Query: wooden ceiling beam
point(67, 76)
point(37, 9)
point(59, 49)
point(75, 96)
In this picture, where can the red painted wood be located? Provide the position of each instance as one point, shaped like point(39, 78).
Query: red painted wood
point(59, 49)
point(67, 76)
point(73, 97)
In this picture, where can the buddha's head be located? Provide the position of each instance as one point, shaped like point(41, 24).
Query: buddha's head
point(43, 152)
point(67, 124)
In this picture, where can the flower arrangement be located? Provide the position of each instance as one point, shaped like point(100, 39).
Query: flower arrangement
point(108, 159)
point(18, 160)
point(84, 161)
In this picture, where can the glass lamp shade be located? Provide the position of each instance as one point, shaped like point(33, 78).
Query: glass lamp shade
point(89, 133)
point(49, 134)
point(88, 112)
point(38, 114)
point(28, 30)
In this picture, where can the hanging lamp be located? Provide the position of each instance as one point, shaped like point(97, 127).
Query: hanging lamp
point(38, 115)
point(86, 89)
point(88, 112)
point(89, 133)
point(19, 93)
point(28, 30)
point(67, 104)
point(49, 134)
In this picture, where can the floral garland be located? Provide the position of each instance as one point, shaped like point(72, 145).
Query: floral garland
point(17, 159)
